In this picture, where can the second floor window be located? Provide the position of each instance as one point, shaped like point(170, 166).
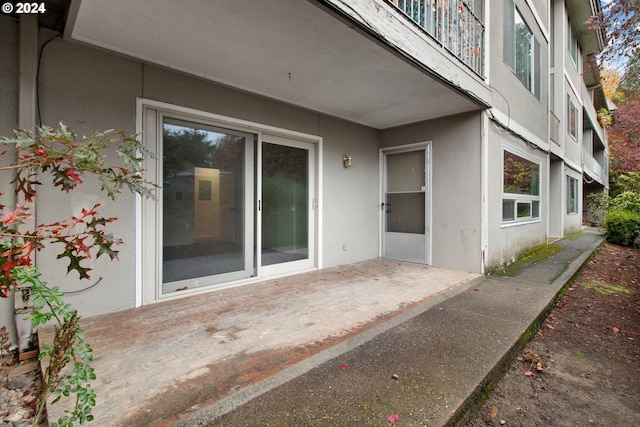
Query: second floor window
point(573, 46)
point(521, 49)
point(572, 118)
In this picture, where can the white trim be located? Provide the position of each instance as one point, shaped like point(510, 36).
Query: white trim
point(230, 122)
point(524, 198)
point(571, 164)
point(138, 225)
point(577, 94)
point(264, 271)
point(539, 21)
point(519, 129)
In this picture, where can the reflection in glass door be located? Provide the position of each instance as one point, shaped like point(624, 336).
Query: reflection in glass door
point(207, 225)
point(286, 196)
point(285, 204)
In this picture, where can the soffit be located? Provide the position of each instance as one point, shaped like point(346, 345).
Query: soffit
point(288, 50)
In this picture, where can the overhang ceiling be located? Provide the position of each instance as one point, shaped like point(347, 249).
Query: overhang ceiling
point(591, 40)
point(288, 50)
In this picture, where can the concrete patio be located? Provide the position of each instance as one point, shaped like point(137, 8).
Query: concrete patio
point(159, 363)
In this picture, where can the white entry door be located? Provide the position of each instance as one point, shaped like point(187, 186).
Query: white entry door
point(406, 204)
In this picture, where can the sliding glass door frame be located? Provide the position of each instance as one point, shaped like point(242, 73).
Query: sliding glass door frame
point(149, 222)
point(310, 261)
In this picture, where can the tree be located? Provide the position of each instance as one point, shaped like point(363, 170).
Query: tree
point(610, 81)
point(67, 159)
point(624, 134)
point(620, 19)
point(624, 137)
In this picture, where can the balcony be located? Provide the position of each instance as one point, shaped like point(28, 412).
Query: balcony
point(453, 24)
point(358, 60)
point(594, 169)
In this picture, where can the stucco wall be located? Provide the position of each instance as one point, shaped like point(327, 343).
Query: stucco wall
point(507, 241)
point(89, 89)
point(350, 206)
point(510, 95)
point(456, 186)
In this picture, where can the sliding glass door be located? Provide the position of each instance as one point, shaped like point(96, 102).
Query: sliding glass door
point(233, 205)
point(286, 205)
point(207, 205)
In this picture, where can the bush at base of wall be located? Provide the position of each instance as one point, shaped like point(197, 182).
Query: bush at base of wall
point(623, 227)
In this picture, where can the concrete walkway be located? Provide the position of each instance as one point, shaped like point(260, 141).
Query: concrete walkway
point(348, 346)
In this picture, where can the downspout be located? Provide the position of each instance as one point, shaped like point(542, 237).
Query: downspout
point(27, 101)
point(484, 183)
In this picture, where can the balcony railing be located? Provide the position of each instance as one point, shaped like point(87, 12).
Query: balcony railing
point(452, 23)
point(593, 167)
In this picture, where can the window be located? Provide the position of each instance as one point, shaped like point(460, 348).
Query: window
point(572, 45)
point(572, 118)
point(521, 189)
point(572, 195)
point(521, 49)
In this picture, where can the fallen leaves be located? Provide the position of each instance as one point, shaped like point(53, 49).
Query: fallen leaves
point(494, 411)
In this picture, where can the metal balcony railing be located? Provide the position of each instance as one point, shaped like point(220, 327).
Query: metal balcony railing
point(453, 24)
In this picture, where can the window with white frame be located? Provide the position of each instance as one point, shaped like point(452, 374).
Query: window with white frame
point(572, 195)
point(520, 188)
point(573, 46)
point(521, 49)
point(572, 118)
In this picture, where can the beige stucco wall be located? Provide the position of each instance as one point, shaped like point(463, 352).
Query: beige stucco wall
point(90, 89)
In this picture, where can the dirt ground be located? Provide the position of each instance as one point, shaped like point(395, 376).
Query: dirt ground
point(583, 366)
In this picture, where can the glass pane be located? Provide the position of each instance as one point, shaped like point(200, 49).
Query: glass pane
point(524, 209)
point(203, 201)
point(508, 210)
point(535, 209)
point(405, 171)
point(285, 204)
point(405, 198)
point(405, 212)
point(521, 176)
point(524, 51)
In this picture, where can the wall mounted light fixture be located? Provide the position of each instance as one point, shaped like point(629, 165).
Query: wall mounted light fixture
point(346, 161)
